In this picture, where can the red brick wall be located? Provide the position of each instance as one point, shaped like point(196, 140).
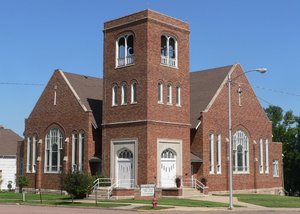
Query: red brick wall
point(67, 115)
point(147, 28)
point(249, 117)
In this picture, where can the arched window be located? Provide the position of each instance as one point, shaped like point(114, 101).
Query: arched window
point(134, 92)
point(81, 151)
point(124, 94)
point(168, 154)
point(74, 152)
point(160, 92)
point(53, 153)
point(178, 96)
point(114, 95)
point(34, 152)
point(168, 51)
point(169, 94)
point(124, 50)
point(125, 153)
point(240, 152)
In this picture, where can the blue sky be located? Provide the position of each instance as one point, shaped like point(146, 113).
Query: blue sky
point(38, 36)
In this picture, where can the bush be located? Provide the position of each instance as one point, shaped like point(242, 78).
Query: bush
point(77, 184)
point(22, 182)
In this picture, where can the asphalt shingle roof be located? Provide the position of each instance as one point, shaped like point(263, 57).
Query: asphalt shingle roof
point(204, 85)
point(8, 141)
point(89, 89)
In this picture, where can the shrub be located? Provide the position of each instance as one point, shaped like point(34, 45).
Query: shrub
point(22, 182)
point(77, 184)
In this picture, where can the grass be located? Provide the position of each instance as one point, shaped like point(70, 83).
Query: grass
point(174, 202)
point(51, 199)
point(270, 200)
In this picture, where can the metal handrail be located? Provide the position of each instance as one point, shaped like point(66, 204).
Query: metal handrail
point(194, 183)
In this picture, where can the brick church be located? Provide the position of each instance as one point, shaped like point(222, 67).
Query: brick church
point(150, 120)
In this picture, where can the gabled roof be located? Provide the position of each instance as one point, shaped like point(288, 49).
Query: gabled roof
point(8, 142)
point(204, 86)
point(88, 91)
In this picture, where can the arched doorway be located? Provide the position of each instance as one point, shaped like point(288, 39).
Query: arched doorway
point(168, 168)
point(125, 168)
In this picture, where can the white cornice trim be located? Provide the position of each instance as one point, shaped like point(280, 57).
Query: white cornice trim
point(141, 121)
point(219, 89)
point(73, 90)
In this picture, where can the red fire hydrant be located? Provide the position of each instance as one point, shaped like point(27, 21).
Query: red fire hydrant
point(154, 201)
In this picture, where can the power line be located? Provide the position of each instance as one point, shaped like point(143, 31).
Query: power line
point(276, 91)
point(16, 83)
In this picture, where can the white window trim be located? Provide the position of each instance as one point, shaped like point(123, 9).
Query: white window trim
point(74, 151)
point(125, 54)
point(168, 57)
point(267, 157)
point(34, 145)
point(28, 164)
point(178, 96)
point(124, 94)
point(261, 156)
point(244, 151)
point(275, 168)
point(219, 148)
point(169, 94)
point(160, 93)
point(59, 150)
point(81, 151)
point(211, 153)
point(133, 91)
point(114, 95)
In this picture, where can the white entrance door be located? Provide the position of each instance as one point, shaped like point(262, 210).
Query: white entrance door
point(125, 169)
point(125, 173)
point(168, 168)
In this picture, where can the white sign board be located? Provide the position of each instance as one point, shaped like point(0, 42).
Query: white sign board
point(147, 189)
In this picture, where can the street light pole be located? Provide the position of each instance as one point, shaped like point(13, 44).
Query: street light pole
point(259, 70)
point(230, 143)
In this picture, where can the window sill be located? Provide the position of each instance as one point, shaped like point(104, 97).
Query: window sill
point(114, 105)
point(124, 66)
point(169, 66)
point(133, 103)
point(124, 104)
point(241, 173)
point(178, 105)
point(169, 104)
point(159, 102)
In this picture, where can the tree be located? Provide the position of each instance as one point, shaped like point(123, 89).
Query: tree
point(286, 129)
point(22, 182)
point(77, 184)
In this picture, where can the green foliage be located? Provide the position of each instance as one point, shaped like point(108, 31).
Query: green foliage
point(77, 184)
point(286, 129)
point(22, 182)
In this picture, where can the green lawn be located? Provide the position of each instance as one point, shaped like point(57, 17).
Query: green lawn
point(174, 202)
point(50, 199)
point(270, 200)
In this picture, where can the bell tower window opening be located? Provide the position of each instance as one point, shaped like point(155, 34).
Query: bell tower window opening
point(168, 51)
point(124, 51)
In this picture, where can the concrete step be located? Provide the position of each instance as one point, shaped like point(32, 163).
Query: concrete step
point(191, 192)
